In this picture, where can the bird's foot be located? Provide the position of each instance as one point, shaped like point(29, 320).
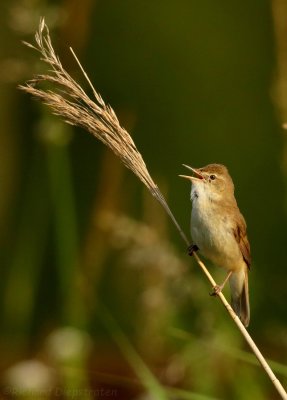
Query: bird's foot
point(192, 249)
point(216, 290)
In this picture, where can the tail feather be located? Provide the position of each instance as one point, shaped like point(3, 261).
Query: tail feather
point(240, 295)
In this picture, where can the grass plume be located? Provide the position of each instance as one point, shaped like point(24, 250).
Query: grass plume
point(69, 101)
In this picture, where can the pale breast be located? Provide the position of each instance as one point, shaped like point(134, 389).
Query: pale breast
point(212, 232)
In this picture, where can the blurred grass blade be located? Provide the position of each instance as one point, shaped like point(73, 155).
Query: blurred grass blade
point(143, 373)
point(148, 380)
point(64, 216)
point(231, 351)
point(27, 253)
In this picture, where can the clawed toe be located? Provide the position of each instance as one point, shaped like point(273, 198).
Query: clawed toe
point(192, 249)
point(216, 290)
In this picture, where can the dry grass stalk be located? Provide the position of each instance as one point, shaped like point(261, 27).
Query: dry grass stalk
point(70, 102)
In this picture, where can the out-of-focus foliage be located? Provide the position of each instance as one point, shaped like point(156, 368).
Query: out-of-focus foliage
point(98, 298)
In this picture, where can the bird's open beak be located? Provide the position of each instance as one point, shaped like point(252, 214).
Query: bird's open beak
point(197, 174)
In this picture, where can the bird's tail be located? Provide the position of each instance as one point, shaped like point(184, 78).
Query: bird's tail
point(238, 282)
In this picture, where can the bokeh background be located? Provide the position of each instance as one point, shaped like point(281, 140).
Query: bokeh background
point(98, 298)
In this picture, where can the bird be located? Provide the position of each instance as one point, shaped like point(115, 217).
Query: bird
point(219, 232)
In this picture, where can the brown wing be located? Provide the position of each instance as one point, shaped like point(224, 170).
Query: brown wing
point(241, 238)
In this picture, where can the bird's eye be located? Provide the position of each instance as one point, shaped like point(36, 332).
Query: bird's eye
point(212, 177)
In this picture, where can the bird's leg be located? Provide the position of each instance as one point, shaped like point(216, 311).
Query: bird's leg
point(192, 249)
point(218, 288)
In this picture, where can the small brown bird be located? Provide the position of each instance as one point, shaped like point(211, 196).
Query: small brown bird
point(218, 230)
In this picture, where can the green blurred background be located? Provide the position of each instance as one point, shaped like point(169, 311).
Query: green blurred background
point(98, 298)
